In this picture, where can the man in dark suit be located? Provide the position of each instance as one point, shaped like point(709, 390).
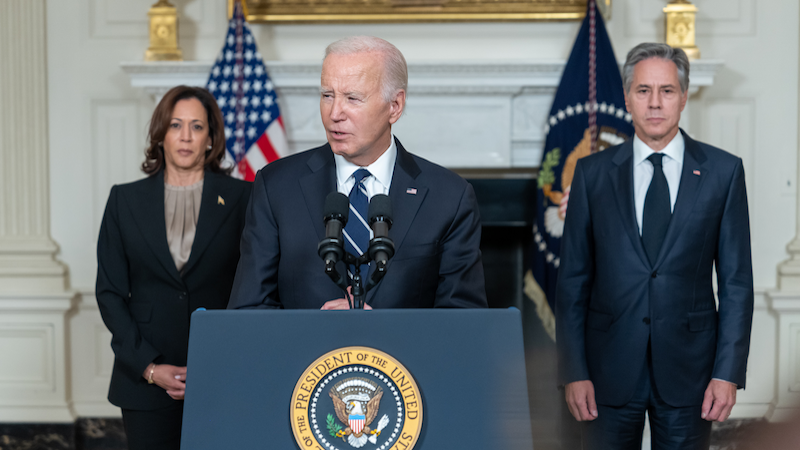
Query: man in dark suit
point(436, 227)
point(648, 221)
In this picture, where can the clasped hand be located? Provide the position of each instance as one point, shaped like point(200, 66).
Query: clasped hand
point(170, 378)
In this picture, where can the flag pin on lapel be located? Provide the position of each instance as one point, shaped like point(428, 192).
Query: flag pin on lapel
point(220, 200)
point(696, 172)
point(412, 191)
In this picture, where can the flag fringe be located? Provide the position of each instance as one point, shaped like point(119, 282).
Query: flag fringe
point(539, 298)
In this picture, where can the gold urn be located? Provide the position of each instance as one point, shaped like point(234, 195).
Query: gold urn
point(163, 33)
point(680, 29)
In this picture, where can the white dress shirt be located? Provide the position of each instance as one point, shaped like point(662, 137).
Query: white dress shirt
point(672, 164)
point(381, 172)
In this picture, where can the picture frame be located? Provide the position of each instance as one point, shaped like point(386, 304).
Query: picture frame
point(415, 11)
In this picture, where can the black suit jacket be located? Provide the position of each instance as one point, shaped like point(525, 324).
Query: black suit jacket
point(144, 301)
point(611, 301)
point(436, 233)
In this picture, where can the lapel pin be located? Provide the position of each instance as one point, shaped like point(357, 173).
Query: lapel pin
point(412, 191)
point(696, 172)
point(220, 200)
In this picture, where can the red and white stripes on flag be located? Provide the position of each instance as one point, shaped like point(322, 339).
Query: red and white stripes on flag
point(270, 146)
point(254, 131)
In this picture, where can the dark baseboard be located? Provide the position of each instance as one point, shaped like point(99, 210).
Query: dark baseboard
point(84, 434)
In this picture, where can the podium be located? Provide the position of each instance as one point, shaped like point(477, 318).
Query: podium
point(273, 379)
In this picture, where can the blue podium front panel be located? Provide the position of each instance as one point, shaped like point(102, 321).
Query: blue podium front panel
point(252, 378)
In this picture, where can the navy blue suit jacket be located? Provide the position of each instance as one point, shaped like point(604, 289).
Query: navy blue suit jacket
point(143, 299)
point(611, 301)
point(436, 233)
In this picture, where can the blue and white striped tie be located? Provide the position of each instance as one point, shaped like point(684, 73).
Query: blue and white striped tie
point(357, 231)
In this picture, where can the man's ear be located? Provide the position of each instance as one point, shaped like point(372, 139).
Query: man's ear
point(684, 97)
point(627, 106)
point(396, 106)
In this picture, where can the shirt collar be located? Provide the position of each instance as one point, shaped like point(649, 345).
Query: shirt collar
point(674, 150)
point(382, 169)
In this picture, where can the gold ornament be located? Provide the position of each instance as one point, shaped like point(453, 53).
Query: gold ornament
point(680, 20)
point(163, 33)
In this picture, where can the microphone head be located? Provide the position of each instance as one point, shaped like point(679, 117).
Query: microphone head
point(337, 206)
point(380, 206)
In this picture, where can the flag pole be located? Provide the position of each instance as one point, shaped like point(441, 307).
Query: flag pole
point(593, 75)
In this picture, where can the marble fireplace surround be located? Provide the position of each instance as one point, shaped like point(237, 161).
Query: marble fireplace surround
point(470, 115)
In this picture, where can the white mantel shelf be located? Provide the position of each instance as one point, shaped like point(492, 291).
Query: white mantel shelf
point(461, 114)
point(490, 77)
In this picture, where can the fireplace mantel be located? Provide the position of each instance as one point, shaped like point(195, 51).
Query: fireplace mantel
point(469, 115)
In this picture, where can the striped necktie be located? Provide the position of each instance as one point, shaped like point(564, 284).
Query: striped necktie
point(357, 231)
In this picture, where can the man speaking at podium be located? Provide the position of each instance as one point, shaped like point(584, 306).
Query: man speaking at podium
point(436, 227)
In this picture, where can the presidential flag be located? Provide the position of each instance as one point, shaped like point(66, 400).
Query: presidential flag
point(587, 116)
point(254, 132)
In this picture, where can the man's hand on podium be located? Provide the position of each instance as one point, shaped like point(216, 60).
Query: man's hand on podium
point(342, 303)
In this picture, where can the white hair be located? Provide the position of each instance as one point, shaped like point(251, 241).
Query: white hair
point(395, 73)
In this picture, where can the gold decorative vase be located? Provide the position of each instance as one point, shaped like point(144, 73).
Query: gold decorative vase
point(163, 33)
point(680, 29)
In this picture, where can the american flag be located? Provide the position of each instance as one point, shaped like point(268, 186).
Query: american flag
point(254, 130)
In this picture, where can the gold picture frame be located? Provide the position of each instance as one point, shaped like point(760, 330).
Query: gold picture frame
point(399, 11)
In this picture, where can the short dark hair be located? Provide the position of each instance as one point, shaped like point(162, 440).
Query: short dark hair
point(649, 50)
point(159, 124)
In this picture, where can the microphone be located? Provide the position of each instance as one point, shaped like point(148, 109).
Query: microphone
point(337, 210)
point(381, 247)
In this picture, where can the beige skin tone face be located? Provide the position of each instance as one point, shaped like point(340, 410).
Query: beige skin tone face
point(357, 119)
point(655, 101)
point(186, 143)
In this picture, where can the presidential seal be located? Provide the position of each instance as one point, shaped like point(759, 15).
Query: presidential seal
point(356, 397)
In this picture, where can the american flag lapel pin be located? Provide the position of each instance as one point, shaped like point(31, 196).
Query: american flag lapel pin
point(412, 191)
point(220, 200)
point(696, 172)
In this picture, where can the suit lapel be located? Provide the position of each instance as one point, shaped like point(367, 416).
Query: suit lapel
point(215, 203)
point(622, 180)
point(688, 190)
point(151, 221)
point(404, 204)
point(317, 184)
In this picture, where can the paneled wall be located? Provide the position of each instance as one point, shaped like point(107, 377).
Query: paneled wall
point(98, 122)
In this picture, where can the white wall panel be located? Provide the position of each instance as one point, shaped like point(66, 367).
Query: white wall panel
point(117, 147)
point(92, 360)
point(27, 354)
point(794, 349)
point(128, 19)
point(728, 17)
point(762, 364)
point(714, 17)
point(730, 125)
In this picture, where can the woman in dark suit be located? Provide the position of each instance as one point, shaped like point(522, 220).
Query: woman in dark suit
point(169, 244)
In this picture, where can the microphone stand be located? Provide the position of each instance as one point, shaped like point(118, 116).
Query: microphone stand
point(359, 291)
point(357, 283)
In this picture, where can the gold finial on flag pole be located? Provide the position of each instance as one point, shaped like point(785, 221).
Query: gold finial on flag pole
point(163, 33)
point(230, 8)
point(680, 21)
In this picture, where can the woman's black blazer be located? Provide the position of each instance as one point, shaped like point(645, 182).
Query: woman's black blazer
point(144, 301)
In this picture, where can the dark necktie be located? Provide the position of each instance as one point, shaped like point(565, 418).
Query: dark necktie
point(356, 232)
point(657, 211)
